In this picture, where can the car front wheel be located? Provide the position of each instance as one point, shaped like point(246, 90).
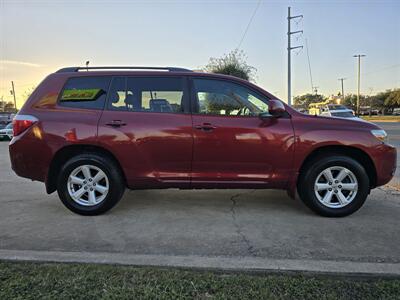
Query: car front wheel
point(90, 184)
point(334, 186)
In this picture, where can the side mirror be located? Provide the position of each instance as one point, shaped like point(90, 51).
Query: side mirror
point(276, 108)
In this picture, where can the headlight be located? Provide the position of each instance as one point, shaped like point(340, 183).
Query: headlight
point(380, 134)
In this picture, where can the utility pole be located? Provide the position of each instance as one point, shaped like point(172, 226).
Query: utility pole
point(342, 79)
point(289, 49)
point(358, 84)
point(13, 93)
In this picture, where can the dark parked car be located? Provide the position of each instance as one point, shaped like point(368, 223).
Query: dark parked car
point(89, 133)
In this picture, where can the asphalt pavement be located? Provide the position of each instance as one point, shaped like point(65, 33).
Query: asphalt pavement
point(230, 229)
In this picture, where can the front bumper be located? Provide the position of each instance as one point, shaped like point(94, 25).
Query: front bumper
point(385, 159)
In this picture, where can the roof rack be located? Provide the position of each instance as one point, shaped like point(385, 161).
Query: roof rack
point(77, 69)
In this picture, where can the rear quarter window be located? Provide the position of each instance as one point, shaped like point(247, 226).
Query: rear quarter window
point(85, 92)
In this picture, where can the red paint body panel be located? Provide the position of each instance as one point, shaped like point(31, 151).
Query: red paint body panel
point(32, 152)
point(242, 150)
point(161, 150)
point(313, 132)
point(155, 149)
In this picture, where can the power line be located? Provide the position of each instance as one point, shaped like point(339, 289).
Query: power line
point(365, 74)
point(248, 24)
point(309, 67)
point(381, 69)
point(28, 84)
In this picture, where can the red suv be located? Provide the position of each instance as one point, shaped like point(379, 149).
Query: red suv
point(90, 132)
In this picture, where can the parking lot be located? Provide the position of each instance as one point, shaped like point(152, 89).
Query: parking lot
point(199, 228)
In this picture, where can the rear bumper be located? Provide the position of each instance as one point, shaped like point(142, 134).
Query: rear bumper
point(385, 159)
point(29, 157)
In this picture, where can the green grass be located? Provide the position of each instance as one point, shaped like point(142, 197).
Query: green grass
point(383, 118)
point(84, 281)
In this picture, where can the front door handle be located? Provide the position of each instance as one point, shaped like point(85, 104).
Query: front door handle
point(116, 123)
point(205, 127)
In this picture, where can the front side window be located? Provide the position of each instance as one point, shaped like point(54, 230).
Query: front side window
point(216, 97)
point(85, 92)
point(147, 94)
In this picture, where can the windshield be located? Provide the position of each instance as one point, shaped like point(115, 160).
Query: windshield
point(336, 106)
point(343, 114)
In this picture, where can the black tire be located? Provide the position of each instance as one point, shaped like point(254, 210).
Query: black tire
point(315, 167)
point(115, 181)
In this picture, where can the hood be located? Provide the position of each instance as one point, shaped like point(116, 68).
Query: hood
point(350, 123)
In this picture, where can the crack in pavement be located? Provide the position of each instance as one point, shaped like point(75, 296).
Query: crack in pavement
point(389, 189)
point(250, 249)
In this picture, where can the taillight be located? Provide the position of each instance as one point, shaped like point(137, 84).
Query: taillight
point(22, 123)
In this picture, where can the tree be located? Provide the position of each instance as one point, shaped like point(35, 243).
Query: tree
point(378, 101)
point(304, 101)
point(9, 107)
point(233, 64)
point(393, 99)
point(351, 101)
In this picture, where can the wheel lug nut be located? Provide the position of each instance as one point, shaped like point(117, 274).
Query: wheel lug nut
point(329, 189)
point(339, 186)
point(90, 179)
point(335, 191)
point(330, 183)
point(336, 181)
point(91, 189)
point(94, 184)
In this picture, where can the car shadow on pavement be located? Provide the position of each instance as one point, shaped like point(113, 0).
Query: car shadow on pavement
point(191, 201)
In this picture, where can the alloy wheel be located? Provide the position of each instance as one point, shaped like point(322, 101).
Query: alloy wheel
point(336, 187)
point(88, 185)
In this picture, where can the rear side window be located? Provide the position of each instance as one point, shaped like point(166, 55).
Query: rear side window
point(85, 92)
point(147, 94)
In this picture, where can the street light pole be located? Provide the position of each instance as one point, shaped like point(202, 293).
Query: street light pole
point(13, 92)
point(342, 79)
point(358, 84)
point(3, 102)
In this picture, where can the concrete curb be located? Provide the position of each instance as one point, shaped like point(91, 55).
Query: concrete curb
point(201, 262)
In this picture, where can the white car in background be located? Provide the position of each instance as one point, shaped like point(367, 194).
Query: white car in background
point(7, 132)
point(339, 111)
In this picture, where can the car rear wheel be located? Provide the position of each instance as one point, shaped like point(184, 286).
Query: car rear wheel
point(334, 186)
point(90, 184)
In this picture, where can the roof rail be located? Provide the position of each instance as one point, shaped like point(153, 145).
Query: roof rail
point(77, 69)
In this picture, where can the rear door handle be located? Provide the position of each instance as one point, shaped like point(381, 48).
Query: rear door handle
point(116, 123)
point(205, 127)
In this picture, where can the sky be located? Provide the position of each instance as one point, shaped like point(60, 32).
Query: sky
point(39, 37)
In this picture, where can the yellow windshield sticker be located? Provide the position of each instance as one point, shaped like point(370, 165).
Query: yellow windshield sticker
point(80, 94)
